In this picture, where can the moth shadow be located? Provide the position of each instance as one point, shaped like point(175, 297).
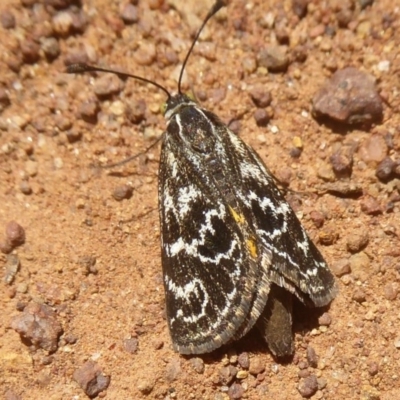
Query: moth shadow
point(305, 319)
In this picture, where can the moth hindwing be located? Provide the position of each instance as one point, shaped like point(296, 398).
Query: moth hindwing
point(233, 251)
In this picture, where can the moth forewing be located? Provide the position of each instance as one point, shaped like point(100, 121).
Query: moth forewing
point(215, 288)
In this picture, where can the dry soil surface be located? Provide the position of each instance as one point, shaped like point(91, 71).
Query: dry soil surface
point(90, 263)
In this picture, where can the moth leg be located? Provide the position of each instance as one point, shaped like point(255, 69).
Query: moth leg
point(275, 323)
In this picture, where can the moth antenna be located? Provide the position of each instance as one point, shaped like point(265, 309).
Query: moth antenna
point(214, 9)
point(129, 159)
point(79, 68)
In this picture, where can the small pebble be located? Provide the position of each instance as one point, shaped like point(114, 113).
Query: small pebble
point(89, 264)
point(370, 206)
point(218, 95)
point(51, 48)
point(154, 4)
point(62, 23)
point(385, 169)
point(136, 111)
point(303, 373)
point(317, 31)
point(391, 291)
point(20, 121)
point(173, 370)
point(360, 266)
point(91, 379)
point(312, 357)
point(322, 382)
point(115, 23)
point(146, 386)
point(357, 241)
point(58, 162)
point(22, 287)
point(146, 54)
point(122, 192)
point(62, 122)
point(374, 149)
point(257, 366)
point(344, 15)
point(227, 374)
point(308, 386)
point(359, 295)
point(129, 13)
point(7, 19)
point(317, 218)
point(15, 234)
point(131, 345)
point(117, 108)
point(242, 374)
point(260, 96)
point(299, 54)
point(364, 30)
point(297, 142)
point(295, 152)
point(70, 338)
point(299, 7)
point(25, 188)
point(79, 21)
point(5, 247)
point(73, 135)
point(78, 55)
point(235, 126)
point(325, 319)
point(108, 84)
point(284, 175)
point(197, 364)
point(274, 58)
point(244, 360)
point(14, 62)
point(158, 344)
point(249, 64)
point(30, 51)
point(236, 391)
point(342, 163)
point(262, 117)
point(282, 32)
point(328, 236)
point(341, 267)
point(88, 111)
point(373, 368)
point(325, 172)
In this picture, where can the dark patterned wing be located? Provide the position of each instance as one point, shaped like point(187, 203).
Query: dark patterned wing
point(210, 275)
point(297, 265)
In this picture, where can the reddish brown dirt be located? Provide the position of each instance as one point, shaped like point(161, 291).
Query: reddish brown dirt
point(71, 215)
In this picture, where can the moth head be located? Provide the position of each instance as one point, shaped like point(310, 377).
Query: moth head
point(175, 103)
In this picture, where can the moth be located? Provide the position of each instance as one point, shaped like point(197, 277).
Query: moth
point(233, 251)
